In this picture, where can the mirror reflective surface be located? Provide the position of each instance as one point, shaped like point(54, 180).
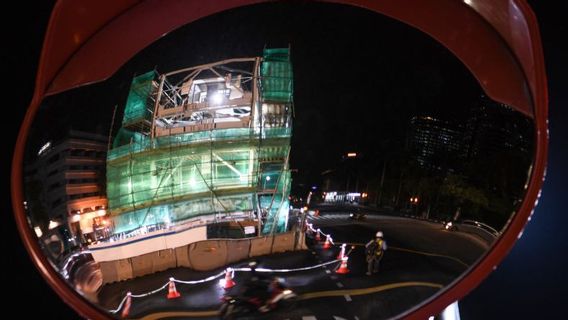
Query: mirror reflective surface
point(221, 153)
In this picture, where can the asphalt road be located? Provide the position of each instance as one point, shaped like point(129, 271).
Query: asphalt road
point(421, 258)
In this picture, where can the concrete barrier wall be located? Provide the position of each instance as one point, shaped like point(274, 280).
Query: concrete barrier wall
point(482, 234)
point(152, 242)
point(202, 256)
point(186, 237)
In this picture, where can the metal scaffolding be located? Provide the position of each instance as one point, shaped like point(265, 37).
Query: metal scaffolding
point(210, 142)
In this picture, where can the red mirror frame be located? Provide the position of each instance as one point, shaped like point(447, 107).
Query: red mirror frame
point(498, 40)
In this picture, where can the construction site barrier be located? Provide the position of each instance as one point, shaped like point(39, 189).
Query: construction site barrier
point(275, 243)
point(201, 256)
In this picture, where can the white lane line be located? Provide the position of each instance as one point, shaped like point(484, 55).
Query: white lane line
point(338, 318)
point(339, 284)
point(333, 277)
point(327, 271)
point(309, 318)
point(356, 318)
point(347, 297)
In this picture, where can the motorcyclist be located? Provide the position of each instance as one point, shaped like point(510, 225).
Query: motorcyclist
point(374, 250)
point(275, 287)
point(256, 290)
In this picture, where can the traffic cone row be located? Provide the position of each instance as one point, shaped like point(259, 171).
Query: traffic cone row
point(343, 267)
point(172, 292)
point(228, 281)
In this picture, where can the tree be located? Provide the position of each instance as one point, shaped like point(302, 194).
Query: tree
point(462, 192)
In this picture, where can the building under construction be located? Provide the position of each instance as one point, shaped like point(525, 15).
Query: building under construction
point(205, 145)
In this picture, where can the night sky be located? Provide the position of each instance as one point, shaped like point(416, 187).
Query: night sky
point(354, 90)
point(532, 280)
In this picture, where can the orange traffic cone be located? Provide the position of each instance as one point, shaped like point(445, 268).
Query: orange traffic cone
point(172, 292)
point(229, 283)
point(341, 252)
point(327, 243)
point(318, 238)
point(126, 308)
point(343, 267)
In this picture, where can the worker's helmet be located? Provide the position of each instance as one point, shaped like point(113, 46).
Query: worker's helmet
point(379, 234)
point(253, 265)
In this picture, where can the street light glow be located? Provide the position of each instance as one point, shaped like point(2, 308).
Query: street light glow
point(217, 98)
point(52, 225)
point(352, 154)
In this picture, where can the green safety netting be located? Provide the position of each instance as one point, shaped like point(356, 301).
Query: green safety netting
point(181, 176)
point(276, 76)
point(138, 107)
point(143, 178)
point(276, 205)
point(129, 142)
point(128, 137)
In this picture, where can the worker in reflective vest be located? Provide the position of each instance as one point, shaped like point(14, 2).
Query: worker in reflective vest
point(374, 250)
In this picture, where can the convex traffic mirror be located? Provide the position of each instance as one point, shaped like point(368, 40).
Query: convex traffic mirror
point(276, 160)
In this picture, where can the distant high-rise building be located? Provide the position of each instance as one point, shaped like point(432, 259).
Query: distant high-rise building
point(434, 142)
point(494, 127)
point(65, 186)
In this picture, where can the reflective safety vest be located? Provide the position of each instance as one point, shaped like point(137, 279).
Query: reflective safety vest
point(376, 247)
point(380, 247)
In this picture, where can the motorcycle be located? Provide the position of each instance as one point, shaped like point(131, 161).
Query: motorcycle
point(235, 307)
point(450, 226)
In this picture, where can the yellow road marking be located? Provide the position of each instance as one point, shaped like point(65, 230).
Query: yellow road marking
point(305, 296)
point(431, 254)
point(180, 314)
point(358, 292)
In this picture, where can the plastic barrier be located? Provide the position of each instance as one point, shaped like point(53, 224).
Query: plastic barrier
point(283, 242)
point(109, 271)
point(182, 257)
point(237, 250)
point(208, 255)
point(164, 260)
point(143, 264)
point(260, 246)
point(201, 256)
